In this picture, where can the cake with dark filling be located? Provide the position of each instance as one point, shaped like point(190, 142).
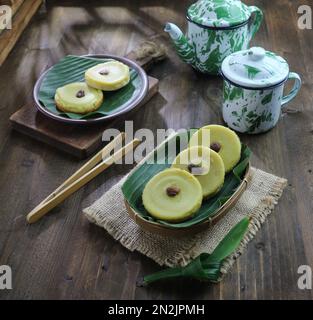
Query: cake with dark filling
point(172, 195)
point(78, 97)
point(108, 76)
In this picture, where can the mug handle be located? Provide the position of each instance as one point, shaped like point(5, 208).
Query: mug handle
point(294, 91)
point(255, 21)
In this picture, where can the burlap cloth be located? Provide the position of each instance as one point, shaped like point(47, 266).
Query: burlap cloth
point(257, 202)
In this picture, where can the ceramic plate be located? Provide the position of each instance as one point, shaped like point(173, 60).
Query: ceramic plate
point(115, 103)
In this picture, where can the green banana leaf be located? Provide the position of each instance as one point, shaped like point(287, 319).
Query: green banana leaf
point(206, 266)
point(72, 69)
point(135, 183)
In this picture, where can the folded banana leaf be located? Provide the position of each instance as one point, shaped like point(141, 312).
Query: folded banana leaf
point(162, 158)
point(72, 69)
point(206, 267)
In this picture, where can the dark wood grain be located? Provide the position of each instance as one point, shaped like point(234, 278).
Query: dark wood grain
point(63, 255)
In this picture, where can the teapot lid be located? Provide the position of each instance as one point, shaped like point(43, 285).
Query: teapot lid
point(255, 68)
point(218, 13)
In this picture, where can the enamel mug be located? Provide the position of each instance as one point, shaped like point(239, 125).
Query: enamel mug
point(253, 93)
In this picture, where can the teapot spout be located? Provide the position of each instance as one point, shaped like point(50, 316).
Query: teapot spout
point(184, 49)
point(174, 32)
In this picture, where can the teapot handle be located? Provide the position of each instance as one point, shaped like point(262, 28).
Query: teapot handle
point(256, 20)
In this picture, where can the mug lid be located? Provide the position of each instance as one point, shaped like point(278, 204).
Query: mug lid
point(255, 68)
point(218, 13)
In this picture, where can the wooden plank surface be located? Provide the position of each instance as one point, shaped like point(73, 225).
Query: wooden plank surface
point(23, 12)
point(14, 4)
point(64, 256)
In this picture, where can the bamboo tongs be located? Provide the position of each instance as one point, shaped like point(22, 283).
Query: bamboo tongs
point(87, 172)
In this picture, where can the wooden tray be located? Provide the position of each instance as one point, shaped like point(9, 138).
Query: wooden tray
point(164, 230)
point(74, 139)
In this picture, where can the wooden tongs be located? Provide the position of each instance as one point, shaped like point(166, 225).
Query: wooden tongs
point(87, 172)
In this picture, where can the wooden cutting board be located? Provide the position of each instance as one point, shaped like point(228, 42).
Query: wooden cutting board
point(80, 141)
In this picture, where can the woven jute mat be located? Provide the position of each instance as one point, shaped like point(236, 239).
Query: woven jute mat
point(257, 202)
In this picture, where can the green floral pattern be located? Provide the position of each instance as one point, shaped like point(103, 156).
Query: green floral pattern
point(255, 68)
point(206, 49)
point(252, 71)
point(219, 13)
point(251, 111)
point(216, 29)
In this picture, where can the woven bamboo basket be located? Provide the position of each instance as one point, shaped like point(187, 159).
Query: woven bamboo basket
point(165, 230)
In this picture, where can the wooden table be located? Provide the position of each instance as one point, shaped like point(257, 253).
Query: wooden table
point(63, 255)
